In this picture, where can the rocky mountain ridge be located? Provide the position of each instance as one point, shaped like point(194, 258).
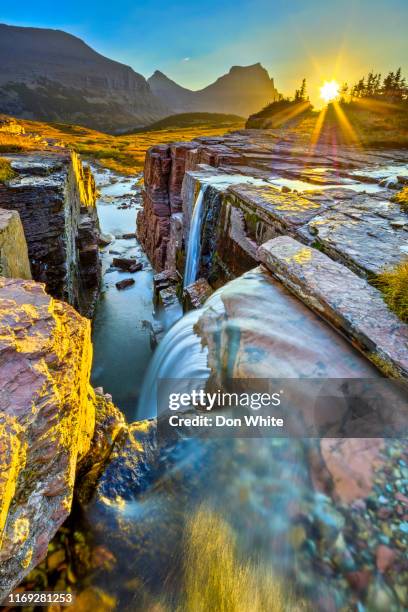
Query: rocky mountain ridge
point(242, 91)
point(51, 75)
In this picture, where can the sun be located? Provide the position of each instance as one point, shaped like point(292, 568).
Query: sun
point(329, 91)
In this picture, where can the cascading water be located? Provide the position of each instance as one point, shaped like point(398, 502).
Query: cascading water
point(194, 239)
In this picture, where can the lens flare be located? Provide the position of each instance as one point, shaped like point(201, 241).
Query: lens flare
point(329, 91)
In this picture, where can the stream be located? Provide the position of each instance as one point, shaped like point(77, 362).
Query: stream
point(121, 335)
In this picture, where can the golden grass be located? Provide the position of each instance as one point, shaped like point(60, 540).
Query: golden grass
point(394, 285)
point(402, 198)
point(6, 171)
point(215, 579)
point(123, 154)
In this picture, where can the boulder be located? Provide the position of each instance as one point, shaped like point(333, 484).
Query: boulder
point(196, 294)
point(127, 264)
point(47, 420)
point(126, 282)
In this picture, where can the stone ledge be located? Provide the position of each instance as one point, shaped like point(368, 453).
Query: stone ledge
point(344, 299)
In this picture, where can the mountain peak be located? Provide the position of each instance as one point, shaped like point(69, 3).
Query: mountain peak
point(239, 91)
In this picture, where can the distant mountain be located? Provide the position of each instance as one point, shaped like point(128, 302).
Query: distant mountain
point(50, 75)
point(54, 76)
point(244, 90)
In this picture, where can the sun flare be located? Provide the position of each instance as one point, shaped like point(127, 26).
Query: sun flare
point(329, 91)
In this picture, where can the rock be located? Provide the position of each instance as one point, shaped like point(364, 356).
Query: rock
point(55, 198)
point(196, 294)
point(385, 557)
point(381, 597)
point(348, 302)
point(352, 464)
point(105, 239)
point(47, 416)
point(14, 261)
point(128, 236)
point(127, 264)
point(109, 424)
point(156, 332)
point(359, 580)
point(126, 282)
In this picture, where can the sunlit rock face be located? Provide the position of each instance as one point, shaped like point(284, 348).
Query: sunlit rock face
point(55, 197)
point(47, 416)
point(14, 261)
point(337, 200)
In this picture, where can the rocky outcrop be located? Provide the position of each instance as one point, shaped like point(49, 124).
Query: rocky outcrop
point(47, 417)
point(55, 198)
point(53, 76)
point(262, 185)
point(344, 299)
point(196, 294)
point(14, 261)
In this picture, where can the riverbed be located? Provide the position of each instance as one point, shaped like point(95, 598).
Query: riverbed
point(121, 335)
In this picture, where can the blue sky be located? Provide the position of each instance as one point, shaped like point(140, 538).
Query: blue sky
point(195, 42)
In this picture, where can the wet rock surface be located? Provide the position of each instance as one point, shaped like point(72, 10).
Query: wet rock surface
point(195, 295)
point(347, 301)
point(337, 200)
point(55, 198)
point(46, 424)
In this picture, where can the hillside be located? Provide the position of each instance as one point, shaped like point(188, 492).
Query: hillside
point(124, 153)
point(53, 76)
point(188, 120)
point(242, 91)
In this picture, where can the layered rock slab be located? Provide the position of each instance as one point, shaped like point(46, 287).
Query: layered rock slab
point(347, 301)
point(47, 420)
point(55, 198)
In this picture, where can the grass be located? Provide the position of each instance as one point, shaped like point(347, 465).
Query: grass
point(182, 120)
point(124, 153)
point(6, 171)
point(394, 285)
point(216, 579)
point(402, 199)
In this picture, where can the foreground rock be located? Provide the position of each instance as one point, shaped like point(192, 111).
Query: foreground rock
point(55, 197)
point(47, 416)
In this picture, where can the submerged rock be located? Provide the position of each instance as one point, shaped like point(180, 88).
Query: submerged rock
point(126, 282)
point(127, 264)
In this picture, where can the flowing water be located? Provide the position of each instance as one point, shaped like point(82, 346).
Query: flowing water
point(252, 327)
point(121, 335)
point(261, 488)
point(194, 240)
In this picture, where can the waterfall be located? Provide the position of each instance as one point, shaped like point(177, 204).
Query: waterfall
point(179, 354)
point(194, 239)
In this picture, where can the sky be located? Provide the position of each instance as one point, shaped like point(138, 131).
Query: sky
point(196, 42)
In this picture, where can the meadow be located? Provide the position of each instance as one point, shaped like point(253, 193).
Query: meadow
point(123, 153)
